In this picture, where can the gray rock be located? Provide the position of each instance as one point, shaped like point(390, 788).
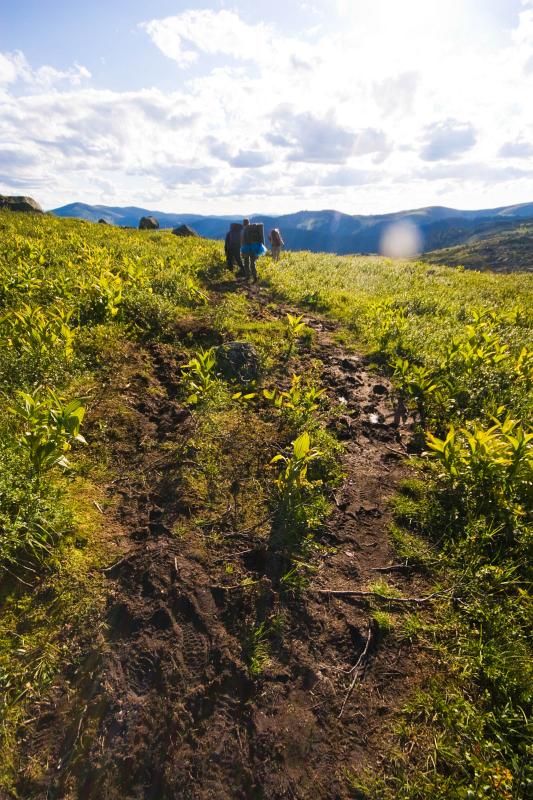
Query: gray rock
point(184, 230)
point(103, 222)
point(239, 361)
point(148, 224)
point(20, 204)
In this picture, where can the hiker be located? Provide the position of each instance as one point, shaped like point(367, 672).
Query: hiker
point(253, 246)
point(276, 243)
point(232, 248)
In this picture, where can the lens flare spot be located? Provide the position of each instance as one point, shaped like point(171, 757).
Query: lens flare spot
point(401, 240)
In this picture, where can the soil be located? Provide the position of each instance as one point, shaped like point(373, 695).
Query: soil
point(163, 706)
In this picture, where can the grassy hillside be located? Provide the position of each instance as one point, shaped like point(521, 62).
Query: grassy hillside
point(217, 578)
point(504, 251)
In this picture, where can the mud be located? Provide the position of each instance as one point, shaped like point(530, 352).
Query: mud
point(164, 706)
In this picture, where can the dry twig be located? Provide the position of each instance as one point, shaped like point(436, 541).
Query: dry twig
point(378, 596)
point(358, 669)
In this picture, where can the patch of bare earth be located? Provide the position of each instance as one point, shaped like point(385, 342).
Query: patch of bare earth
point(164, 706)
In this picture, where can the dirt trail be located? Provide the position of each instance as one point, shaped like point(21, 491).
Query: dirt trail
point(164, 707)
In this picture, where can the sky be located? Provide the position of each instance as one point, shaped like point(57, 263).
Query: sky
point(364, 106)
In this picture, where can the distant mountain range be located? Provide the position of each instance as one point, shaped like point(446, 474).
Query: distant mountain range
point(331, 231)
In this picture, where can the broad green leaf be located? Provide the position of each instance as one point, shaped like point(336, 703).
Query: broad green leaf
point(301, 445)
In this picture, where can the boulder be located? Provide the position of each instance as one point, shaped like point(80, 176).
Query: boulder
point(103, 222)
point(184, 230)
point(20, 204)
point(238, 361)
point(148, 224)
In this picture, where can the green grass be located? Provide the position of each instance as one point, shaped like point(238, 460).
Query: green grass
point(74, 300)
point(458, 346)
point(77, 300)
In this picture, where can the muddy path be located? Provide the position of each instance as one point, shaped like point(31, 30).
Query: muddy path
point(164, 706)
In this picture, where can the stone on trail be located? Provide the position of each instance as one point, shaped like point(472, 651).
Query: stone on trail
point(184, 230)
point(148, 224)
point(351, 363)
point(238, 361)
point(14, 203)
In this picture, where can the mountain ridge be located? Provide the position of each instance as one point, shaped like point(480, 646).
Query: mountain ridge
point(329, 230)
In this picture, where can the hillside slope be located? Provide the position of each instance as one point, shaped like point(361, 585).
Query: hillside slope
point(507, 250)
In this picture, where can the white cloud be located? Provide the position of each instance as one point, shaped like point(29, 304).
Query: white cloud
point(395, 95)
point(436, 94)
point(185, 37)
point(520, 148)
point(447, 140)
point(14, 67)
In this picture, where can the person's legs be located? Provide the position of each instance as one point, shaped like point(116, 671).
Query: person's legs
point(276, 250)
point(253, 270)
point(238, 259)
point(246, 264)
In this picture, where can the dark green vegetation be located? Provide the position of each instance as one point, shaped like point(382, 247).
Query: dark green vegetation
point(334, 232)
point(508, 250)
point(91, 315)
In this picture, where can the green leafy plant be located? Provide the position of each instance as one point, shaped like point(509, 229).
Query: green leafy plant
point(292, 485)
point(492, 465)
point(300, 401)
point(36, 331)
point(195, 294)
point(244, 398)
point(105, 291)
point(390, 323)
point(294, 328)
point(49, 428)
point(418, 385)
point(523, 368)
point(199, 375)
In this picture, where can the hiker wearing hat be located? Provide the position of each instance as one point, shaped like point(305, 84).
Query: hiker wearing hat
point(276, 243)
point(252, 247)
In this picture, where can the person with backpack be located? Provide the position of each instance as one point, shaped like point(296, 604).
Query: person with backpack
point(232, 248)
point(252, 246)
point(276, 243)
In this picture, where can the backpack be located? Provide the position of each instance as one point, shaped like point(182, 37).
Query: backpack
point(235, 234)
point(254, 233)
point(275, 237)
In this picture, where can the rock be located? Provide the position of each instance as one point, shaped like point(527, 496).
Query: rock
point(238, 361)
point(351, 364)
point(342, 427)
point(184, 230)
point(103, 222)
point(148, 224)
point(13, 203)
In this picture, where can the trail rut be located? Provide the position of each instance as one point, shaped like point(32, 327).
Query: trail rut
point(164, 706)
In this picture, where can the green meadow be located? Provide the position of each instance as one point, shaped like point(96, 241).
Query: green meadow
point(77, 299)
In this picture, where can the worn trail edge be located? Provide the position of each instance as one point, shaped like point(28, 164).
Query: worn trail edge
point(163, 705)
